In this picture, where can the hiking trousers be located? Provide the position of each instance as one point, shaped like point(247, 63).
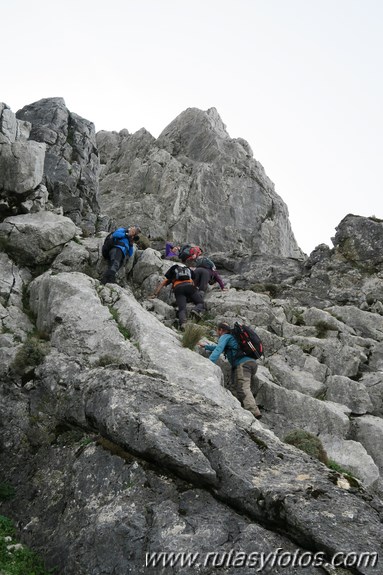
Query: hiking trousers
point(116, 259)
point(244, 376)
point(187, 292)
point(202, 277)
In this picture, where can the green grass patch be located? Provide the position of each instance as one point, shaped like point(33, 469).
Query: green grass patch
point(16, 559)
point(307, 442)
point(6, 491)
point(30, 355)
point(123, 330)
point(336, 467)
point(192, 335)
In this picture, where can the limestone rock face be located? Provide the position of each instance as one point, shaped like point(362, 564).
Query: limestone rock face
point(21, 160)
point(21, 166)
point(120, 440)
point(15, 323)
point(194, 183)
point(71, 161)
point(350, 273)
point(12, 129)
point(360, 240)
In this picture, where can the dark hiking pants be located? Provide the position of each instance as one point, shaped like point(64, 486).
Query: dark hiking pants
point(202, 277)
point(116, 259)
point(184, 293)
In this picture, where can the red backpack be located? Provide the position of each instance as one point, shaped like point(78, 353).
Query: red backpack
point(249, 342)
point(189, 252)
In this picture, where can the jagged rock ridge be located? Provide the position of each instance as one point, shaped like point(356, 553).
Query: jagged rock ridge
point(46, 151)
point(195, 183)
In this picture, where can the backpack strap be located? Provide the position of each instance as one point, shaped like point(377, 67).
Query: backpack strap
point(178, 282)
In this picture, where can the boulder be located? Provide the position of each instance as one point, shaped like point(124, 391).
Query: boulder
point(354, 394)
point(340, 358)
point(352, 457)
point(373, 383)
point(294, 378)
point(21, 167)
point(68, 308)
point(360, 240)
point(369, 432)
point(36, 239)
point(364, 323)
point(287, 410)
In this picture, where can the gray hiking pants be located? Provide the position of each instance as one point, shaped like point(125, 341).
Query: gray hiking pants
point(244, 376)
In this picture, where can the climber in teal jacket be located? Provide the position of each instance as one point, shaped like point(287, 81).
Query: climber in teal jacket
point(243, 368)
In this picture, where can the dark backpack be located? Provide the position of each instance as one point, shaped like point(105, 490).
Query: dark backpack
point(205, 262)
point(107, 245)
point(182, 273)
point(184, 252)
point(249, 342)
point(188, 251)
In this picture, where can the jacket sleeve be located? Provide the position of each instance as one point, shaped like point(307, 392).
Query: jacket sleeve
point(209, 347)
point(219, 348)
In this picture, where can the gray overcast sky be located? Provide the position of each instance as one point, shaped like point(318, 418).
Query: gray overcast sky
point(300, 80)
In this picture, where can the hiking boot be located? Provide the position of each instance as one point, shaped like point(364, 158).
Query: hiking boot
point(255, 411)
point(109, 277)
point(182, 327)
point(196, 314)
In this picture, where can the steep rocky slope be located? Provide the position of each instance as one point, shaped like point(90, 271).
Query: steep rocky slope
point(121, 442)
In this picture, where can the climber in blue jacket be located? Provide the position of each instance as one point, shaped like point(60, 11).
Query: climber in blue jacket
point(118, 246)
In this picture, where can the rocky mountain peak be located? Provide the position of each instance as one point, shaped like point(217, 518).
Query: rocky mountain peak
point(201, 136)
point(196, 183)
